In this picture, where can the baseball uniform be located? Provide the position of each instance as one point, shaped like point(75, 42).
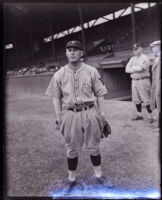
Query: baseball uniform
point(140, 80)
point(156, 84)
point(78, 90)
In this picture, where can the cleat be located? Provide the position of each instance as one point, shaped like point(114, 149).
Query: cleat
point(156, 129)
point(102, 181)
point(69, 187)
point(137, 117)
point(149, 120)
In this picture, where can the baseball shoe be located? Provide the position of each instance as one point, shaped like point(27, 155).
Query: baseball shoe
point(137, 117)
point(102, 181)
point(71, 185)
point(156, 129)
point(149, 120)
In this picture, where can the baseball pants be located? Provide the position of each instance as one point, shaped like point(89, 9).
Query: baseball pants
point(141, 91)
point(80, 128)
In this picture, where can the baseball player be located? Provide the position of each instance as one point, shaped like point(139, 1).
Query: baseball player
point(156, 80)
point(75, 88)
point(138, 67)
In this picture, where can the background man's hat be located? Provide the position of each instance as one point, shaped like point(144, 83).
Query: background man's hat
point(136, 46)
point(158, 42)
point(74, 43)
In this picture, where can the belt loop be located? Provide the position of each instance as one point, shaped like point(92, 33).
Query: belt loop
point(74, 109)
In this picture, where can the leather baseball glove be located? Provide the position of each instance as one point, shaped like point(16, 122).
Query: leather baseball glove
point(106, 129)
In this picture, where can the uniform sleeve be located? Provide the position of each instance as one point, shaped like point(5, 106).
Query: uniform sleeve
point(54, 89)
point(145, 63)
point(128, 68)
point(99, 87)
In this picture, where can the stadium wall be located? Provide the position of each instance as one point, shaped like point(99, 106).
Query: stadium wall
point(34, 84)
point(116, 81)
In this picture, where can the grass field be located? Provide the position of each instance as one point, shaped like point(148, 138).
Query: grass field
point(36, 156)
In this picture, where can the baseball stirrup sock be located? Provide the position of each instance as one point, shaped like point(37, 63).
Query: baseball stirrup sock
point(96, 160)
point(72, 163)
point(97, 171)
point(138, 106)
point(148, 109)
point(159, 120)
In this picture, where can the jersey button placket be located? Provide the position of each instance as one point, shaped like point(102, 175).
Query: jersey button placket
point(76, 87)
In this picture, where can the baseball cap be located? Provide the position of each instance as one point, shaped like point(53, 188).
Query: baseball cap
point(74, 43)
point(155, 43)
point(136, 46)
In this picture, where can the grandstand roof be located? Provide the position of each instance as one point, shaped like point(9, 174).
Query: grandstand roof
point(35, 16)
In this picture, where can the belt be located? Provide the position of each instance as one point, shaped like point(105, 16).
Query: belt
point(80, 109)
point(136, 79)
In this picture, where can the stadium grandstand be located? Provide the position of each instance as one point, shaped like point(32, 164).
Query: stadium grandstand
point(35, 35)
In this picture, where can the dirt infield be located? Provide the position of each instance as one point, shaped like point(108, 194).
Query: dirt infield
point(36, 156)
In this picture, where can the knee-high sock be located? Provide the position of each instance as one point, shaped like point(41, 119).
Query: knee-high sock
point(72, 175)
point(96, 161)
point(72, 166)
point(138, 107)
point(159, 119)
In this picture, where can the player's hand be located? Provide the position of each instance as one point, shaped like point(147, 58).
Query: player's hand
point(137, 68)
point(58, 124)
point(106, 128)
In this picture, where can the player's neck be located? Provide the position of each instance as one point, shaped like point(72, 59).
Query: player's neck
point(138, 55)
point(74, 65)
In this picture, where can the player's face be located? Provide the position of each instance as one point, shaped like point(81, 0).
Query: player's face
point(137, 51)
point(155, 50)
point(74, 54)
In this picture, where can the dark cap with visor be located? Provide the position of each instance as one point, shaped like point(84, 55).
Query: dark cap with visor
point(136, 46)
point(74, 43)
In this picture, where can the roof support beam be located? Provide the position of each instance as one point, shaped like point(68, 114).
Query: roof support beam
point(57, 35)
point(113, 15)
point(149, 5)
point(139, 7)
point(52, 42)
point(133, 23)
point(31, 46)
point(64, 33)
point(17, 51)
point(87, 24)
point(150, 19)
point(94, 23)
point(122, 12)
point(105, 18)
point(82, 31)
point(73, 29)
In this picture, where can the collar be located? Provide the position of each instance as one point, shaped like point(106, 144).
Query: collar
point(139, 55)
point(77, 71)
point(159, 54)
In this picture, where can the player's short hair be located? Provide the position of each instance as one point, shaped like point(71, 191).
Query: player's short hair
point(136, 46)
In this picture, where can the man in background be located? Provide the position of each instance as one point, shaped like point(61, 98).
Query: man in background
point(156, 81)
point(138, 67)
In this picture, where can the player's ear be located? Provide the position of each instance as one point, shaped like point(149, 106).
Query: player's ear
point(82, 53)
point(66, 51)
